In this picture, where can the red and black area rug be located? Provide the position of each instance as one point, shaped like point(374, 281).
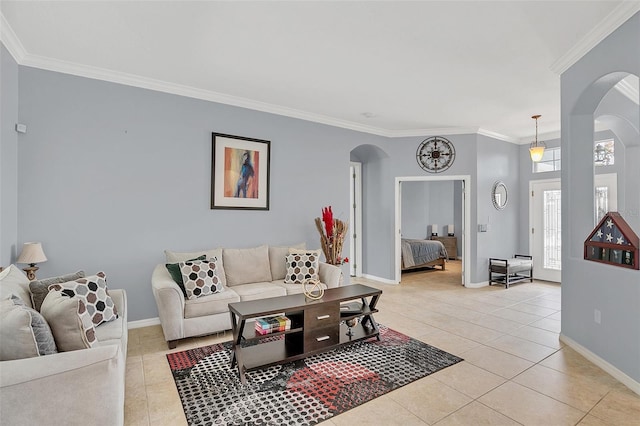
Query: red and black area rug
point(305, 392)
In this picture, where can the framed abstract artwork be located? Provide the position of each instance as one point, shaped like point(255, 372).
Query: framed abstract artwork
point(239, 172)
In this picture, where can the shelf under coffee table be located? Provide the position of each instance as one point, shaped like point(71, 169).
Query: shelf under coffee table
point(316, 326)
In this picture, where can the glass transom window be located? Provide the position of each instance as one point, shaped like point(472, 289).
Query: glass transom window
point(550, 161)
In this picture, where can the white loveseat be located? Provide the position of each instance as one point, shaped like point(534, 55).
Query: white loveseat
point(79, 387)
point(247, 274)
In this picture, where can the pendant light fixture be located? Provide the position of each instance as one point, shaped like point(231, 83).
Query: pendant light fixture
point(536, 149)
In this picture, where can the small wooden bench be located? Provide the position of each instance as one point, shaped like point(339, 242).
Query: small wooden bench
point(510, 271)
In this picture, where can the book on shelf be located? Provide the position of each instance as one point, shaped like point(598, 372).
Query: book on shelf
point(272, 324)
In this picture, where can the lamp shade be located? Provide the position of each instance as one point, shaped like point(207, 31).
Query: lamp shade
point(32, 253)
point(536, 153)
point(536, 149)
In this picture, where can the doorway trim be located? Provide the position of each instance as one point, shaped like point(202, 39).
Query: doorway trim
point(532, 217)
point(466, 220)
point(355, 217)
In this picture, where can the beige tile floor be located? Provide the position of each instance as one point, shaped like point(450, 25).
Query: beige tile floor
point(516, 371)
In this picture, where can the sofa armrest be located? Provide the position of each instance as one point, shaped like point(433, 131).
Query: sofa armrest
point(119, 297)
point(170, 301)
point(95, 375)
point(329, 275)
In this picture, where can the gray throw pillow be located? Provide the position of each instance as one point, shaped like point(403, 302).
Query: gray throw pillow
point(40, 288)
point(23, 331)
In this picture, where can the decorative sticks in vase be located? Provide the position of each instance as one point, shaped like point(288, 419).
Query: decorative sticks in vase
point(332, 236)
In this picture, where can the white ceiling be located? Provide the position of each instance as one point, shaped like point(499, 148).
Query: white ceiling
point(391, 68)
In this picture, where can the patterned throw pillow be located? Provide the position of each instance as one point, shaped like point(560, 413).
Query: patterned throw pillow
point(93, 292)
point(176, 274)
point(24, 332)
point(200, 278)
point(302, 267)
point(69, 321)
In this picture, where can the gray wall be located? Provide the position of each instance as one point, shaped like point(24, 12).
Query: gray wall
point(441, 205)
point(587, 286)
point(415, 210)
point(8, 158)
point(426, 203)
point(497, 161)
point(109, 176)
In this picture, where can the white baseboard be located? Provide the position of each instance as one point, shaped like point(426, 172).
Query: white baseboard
point(144, 323)
point(382, 280)
point(612, 370)
point(477, 285)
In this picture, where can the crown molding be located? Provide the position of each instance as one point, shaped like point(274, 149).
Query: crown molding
point(498, 136)
point(548, 136)
point(439, 131)
point(629, 91)
point(23, 58)
point(11, 40)
point(612, 21)
point(102, 74)
point(127, 79)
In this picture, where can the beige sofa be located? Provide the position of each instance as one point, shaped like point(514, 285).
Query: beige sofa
point(79, 387)
point(247, 274)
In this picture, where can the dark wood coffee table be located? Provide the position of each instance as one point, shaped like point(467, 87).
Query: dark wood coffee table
point(316, 326)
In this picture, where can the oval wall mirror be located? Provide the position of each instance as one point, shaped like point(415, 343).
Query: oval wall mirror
point(499, 195)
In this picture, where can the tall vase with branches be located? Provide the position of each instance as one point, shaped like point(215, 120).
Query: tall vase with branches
point(332, 233)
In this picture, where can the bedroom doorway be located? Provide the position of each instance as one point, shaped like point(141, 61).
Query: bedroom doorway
point(461, 210)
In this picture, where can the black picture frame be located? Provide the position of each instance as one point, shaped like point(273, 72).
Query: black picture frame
point(240, 171)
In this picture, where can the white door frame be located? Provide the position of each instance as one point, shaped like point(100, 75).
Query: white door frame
point(532, 213)
point(600, 179)
point(466, 220)
point(355, 216)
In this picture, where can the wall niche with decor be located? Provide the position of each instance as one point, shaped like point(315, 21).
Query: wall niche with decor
point(613, 242)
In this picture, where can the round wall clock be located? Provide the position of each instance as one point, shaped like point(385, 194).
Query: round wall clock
point(435, 154)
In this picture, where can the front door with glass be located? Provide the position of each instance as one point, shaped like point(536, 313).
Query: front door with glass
point(546, 232)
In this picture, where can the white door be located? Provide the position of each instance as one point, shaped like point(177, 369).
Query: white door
point(546, 242)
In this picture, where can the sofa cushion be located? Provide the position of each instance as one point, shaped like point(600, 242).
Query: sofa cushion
point(244, 266)
point(260, 290)
point(40, 288)
point(519, 265)
point(200, 278)
point(14, 281)
point(302, 266)
point(69, 320)
point(177, 257)
point(278, 261)
point(93, 292)
point(110, 331)
point(174, 271)
point(209, 305)
point(294, 288)
point(24, 332)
